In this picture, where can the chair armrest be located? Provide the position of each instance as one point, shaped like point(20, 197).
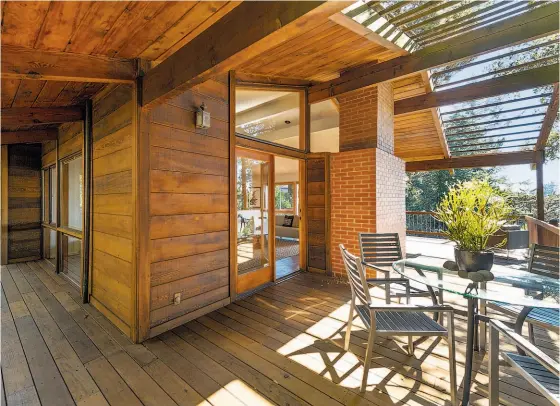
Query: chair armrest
point(407, 308)
point(387, 272)
point(532, 350)
point(381, 281)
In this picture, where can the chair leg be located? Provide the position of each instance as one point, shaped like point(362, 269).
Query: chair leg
point(349, 326)
point(452, 366)
point(531, 333)
point(410, 346)
point(493, 368)
point(367, 362)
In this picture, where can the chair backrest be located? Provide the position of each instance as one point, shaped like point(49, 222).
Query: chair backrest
point(356, 276)
point(380, 249)
point(544, 261)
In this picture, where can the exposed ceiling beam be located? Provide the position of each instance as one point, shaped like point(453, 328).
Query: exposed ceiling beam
point(549, 118)
point(533, 24)
point(28, 136)
point(256, 79)
point(473, 161)
point(27, 63)
point(245, 32)
point(17, 116)
point(516, 82)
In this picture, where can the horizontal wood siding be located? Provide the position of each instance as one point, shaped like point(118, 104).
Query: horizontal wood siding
point(189, 204)
point(316, 214)
point(112, 210)
point(24, 202)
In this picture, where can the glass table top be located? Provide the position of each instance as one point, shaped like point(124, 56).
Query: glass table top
point(509, 285)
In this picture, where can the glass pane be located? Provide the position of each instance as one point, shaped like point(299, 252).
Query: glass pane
point(71, 258)
point(252, 215)
point(53, 197)
point(71, 189)
point(284, 197)
point(324, 127)
point(46, 189)
point(269, 115)
point(49, 245)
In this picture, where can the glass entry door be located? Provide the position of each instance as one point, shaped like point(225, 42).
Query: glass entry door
point(255, 231)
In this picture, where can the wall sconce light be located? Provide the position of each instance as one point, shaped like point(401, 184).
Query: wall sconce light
point(202, 117)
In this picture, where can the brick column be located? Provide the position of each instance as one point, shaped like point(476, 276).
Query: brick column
point(367, 179)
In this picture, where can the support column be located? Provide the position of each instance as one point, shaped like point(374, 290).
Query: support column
point(540, 185)
point(367, 179)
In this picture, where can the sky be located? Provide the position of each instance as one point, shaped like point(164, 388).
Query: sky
point(516, 174)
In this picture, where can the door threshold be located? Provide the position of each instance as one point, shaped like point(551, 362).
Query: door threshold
point(251, 292)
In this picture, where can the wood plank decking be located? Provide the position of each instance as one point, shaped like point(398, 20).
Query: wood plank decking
point(280, 346)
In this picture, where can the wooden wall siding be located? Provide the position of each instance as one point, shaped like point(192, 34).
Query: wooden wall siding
point(317, 191)
point(112, 248)
point(189, 204)
point(24, 202)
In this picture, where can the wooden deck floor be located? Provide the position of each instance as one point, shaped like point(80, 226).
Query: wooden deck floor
point(280, 346)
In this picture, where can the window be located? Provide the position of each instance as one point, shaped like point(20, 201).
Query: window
point(49, 195)
point(270, 115)
point(71, 258)
point(71, 185)
point(285, 197)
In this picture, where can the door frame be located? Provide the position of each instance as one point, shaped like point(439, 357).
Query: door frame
point(237, 141)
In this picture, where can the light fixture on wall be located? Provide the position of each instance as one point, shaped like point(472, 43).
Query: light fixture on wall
point(202, 117)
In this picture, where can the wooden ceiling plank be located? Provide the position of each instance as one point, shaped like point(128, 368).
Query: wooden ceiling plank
point(533, 24)
point(9, 91)
point(135, 17)
point(166, 18)
point(474, 161)
point(516, 82)
point(69, 93)
point(27, 93)
point(203, 15)
point(22, 22)
point(49, 94)
point(98, 21)
point(61, 22)
point(313, 36)
point(225, 44)
point(549, 119)
point(35, 115)
point(26, 63)
point(29, 136)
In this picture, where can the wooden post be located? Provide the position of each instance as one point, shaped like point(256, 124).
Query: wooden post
point(540, 185)
point(4, 204)
point(88, 180)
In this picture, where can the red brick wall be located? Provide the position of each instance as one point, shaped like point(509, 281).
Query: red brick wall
point(366, 119)
point(352, 201)
point(390, 185)
point(367, 180)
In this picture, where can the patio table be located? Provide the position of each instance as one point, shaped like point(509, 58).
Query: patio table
point(510, 286)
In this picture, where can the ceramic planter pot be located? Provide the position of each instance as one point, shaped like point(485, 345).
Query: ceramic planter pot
point(474, 261)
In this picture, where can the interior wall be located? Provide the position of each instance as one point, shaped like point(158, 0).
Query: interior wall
point(112, 210)
point(24, 202)
point(189, 206)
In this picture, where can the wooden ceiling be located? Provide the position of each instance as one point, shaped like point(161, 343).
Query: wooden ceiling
point(319, 54)
point(155, 30)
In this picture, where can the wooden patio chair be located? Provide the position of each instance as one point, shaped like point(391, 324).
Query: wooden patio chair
point(378, 252)
point(389, 320)
point(536, 367)
point(543, 261)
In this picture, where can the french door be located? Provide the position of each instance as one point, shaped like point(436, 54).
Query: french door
point(255, 219)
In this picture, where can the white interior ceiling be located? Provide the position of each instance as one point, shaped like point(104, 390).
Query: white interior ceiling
point(274, 116)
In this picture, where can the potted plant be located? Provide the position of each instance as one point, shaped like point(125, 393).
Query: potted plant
point(473, 211)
